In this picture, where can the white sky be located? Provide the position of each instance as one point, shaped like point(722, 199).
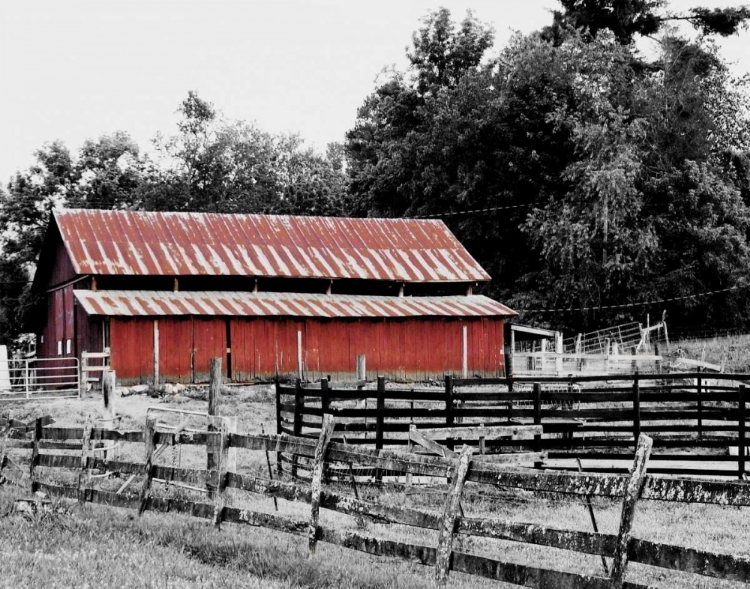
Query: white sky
point(76, 69)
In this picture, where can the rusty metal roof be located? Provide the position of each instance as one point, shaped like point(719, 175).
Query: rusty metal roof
point(133, 243)
point(138, 303)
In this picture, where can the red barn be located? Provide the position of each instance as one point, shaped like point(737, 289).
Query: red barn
point(165, 292)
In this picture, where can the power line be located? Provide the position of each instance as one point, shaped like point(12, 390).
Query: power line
point(472, 211)
point(639, 304)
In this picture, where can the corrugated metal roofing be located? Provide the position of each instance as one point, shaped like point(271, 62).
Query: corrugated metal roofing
point(137, 303)
point(189, 244)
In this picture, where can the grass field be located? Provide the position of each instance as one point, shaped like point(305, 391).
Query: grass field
point(73, 545)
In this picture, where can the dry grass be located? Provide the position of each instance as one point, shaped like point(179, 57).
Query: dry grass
point(732, 352)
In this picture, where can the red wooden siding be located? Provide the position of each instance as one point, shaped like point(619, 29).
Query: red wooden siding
point(209, 341)
point(132, 349)
point(405, 349)
point(175, 349)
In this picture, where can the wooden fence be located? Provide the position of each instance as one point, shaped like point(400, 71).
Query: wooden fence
point(73, 450)
point(698, 421)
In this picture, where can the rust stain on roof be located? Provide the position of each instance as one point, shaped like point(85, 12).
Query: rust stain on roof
point(135, 303)
point(133, 243)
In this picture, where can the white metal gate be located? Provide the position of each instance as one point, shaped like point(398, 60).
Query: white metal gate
point(39, 378)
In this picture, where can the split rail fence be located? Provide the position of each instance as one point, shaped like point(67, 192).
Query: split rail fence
point(697, 420)
point(77, 452)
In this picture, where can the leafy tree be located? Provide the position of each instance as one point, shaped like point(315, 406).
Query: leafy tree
point(628, 18)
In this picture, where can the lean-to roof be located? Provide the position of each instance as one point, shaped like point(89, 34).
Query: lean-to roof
point(134, 303)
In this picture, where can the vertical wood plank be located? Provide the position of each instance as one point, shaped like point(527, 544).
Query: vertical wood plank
point(636, 410)
point(85, 454)
point(537, 419)
point(632, 494)
point(156, 350)
point(380, 420)
point(35, 454)
point(699, 390)
point(278, 424)
point(449, 421)
point(448, 519)
point(299, 410)
point(3, 445)
point(148, 439)
point(214, 398)
point(741, 417)
point(316, 484)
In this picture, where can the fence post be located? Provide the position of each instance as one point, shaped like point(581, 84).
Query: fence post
point(221, 456)
point(448, 520)
point(326, 432)
point(379, 421)
point(278, 423)
point(699, 390)
point(82, 374)
point(449, 407)
point(741, 427)
point(3, 444)
point(324, 398)
point(299, 407)
point(636, 410)
point(35, 453)
point(632, 494)
point(148, 438)
point(537, 419)
point(108, 390)
point(214, 397)
point(85, 453)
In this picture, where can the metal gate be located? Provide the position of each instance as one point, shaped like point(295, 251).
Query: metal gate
point(39, 378)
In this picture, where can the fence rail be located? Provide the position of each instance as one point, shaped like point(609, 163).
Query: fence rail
point(79, 459)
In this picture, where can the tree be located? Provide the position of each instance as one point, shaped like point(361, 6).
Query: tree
point(628, 18)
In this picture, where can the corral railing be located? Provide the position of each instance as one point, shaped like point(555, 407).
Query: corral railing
point(53, 449)
point(698, 421)
point(39, 378)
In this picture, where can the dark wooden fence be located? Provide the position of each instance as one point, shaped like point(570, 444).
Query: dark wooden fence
point(621, 547)
point(697, 420)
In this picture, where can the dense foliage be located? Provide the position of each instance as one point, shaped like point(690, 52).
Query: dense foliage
point(582, 174)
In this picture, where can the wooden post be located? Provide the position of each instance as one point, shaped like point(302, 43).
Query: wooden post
point(380, 420)
point(699, 390)
point(299, 408)
point(361, 370)
point(537, 419)
point(300, 365)
point(741, 431)
point(324, 398)
point(449, 420)
point(636, 410)
point(85, 453)
point(632, 494)
point(82, 376)
point(3, 444)
point(108, 391)
point(214, 398)
point(35, 453)
point(317, 481)
point(219, 476)
point(278, 424)
point(148, 439)
point(448, 520)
